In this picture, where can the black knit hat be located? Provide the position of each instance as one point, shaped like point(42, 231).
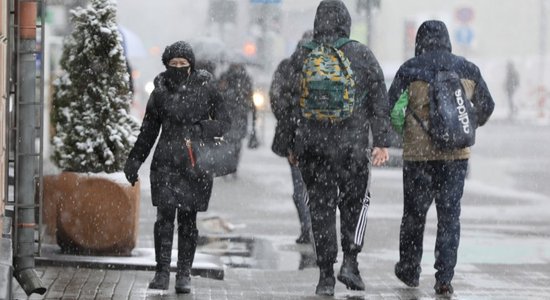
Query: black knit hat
point(179, 49)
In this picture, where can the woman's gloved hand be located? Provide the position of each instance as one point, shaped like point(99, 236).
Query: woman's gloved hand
point(131, 169)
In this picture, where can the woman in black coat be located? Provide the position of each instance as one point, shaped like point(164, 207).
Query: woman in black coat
point(185, 106)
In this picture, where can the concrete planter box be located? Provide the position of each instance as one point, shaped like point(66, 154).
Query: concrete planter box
point(91, 214)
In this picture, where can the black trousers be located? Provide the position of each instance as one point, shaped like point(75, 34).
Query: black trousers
point(425, 182)
point(300, 198)
point(331, 184)
point(187, 237)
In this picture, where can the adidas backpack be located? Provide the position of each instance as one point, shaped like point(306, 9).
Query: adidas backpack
point(453, 120)
point(328, 87)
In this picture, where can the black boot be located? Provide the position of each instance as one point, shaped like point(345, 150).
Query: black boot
point(325, 287)
point(349, 273)
point(409, 276)
point(163, 236)
point(444, 289)
point(187, 244)
point(161, 281)
point(183, 284)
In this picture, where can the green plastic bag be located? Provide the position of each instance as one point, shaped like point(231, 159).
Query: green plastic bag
point(398, 112)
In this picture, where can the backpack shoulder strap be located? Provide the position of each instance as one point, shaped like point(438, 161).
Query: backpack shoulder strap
point(339, 43)
point(310, 45)
point(420, 122)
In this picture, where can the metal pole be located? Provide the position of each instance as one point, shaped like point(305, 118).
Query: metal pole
point(542, 40)
point(369, 23)
point(26, 159)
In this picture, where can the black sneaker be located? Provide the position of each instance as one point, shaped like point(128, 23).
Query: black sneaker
point(160, 281)
point(443, 288)
point(349, 275)
point(407, 278)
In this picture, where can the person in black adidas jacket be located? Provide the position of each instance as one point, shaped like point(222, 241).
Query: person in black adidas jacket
point(428, 172)
point(334, 158)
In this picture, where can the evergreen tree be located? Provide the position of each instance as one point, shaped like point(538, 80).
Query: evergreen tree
point(94, 132)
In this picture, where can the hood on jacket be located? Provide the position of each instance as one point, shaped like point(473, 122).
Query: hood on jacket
point(332, 21)
point(179, 49)
point(431, 36)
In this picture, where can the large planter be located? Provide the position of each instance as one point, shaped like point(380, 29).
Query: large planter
point(91, 214)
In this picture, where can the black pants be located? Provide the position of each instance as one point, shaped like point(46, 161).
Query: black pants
point(336, 183)
point(300, 198)
point(187, 237)
point(424, 182)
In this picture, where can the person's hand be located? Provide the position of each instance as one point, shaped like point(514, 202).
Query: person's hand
point(292, 159)
point(196, 130)
point(379, 156)
point(131, 169)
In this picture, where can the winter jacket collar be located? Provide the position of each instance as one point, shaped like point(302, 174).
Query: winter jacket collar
point(198, 77)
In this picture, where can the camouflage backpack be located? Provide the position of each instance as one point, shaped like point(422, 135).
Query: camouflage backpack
point(328, 87)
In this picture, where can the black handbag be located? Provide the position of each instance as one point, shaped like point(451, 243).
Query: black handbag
point(215, 157)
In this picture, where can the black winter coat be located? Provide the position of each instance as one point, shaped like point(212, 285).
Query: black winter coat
point(282, 102)
point(236, 87)
point(332, 21)
point(196, 111)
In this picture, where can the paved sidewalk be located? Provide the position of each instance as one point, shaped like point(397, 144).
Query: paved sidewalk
point(504, 252)
point(471, 282)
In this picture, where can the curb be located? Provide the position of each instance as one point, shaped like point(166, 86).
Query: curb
point(204, 265)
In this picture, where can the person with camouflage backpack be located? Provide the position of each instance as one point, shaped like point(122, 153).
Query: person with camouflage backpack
point(343, 98)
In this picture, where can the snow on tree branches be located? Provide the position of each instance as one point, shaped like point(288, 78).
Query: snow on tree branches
point(93, 129)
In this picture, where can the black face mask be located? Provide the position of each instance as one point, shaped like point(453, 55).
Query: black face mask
point(176, 76)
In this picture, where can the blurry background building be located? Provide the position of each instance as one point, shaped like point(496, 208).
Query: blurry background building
point(262, 32)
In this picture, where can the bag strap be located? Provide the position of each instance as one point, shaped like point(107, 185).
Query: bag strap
point(310, 45)
point(417, 118)
point(339, 43)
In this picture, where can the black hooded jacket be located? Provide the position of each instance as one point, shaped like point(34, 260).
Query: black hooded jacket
point(333, 21)
point(433, 54)
point(196, 111)
point(282, 100)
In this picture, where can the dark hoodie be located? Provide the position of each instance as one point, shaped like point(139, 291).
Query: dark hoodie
point(432, 36)
point(432, 54)
point(332, 22)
